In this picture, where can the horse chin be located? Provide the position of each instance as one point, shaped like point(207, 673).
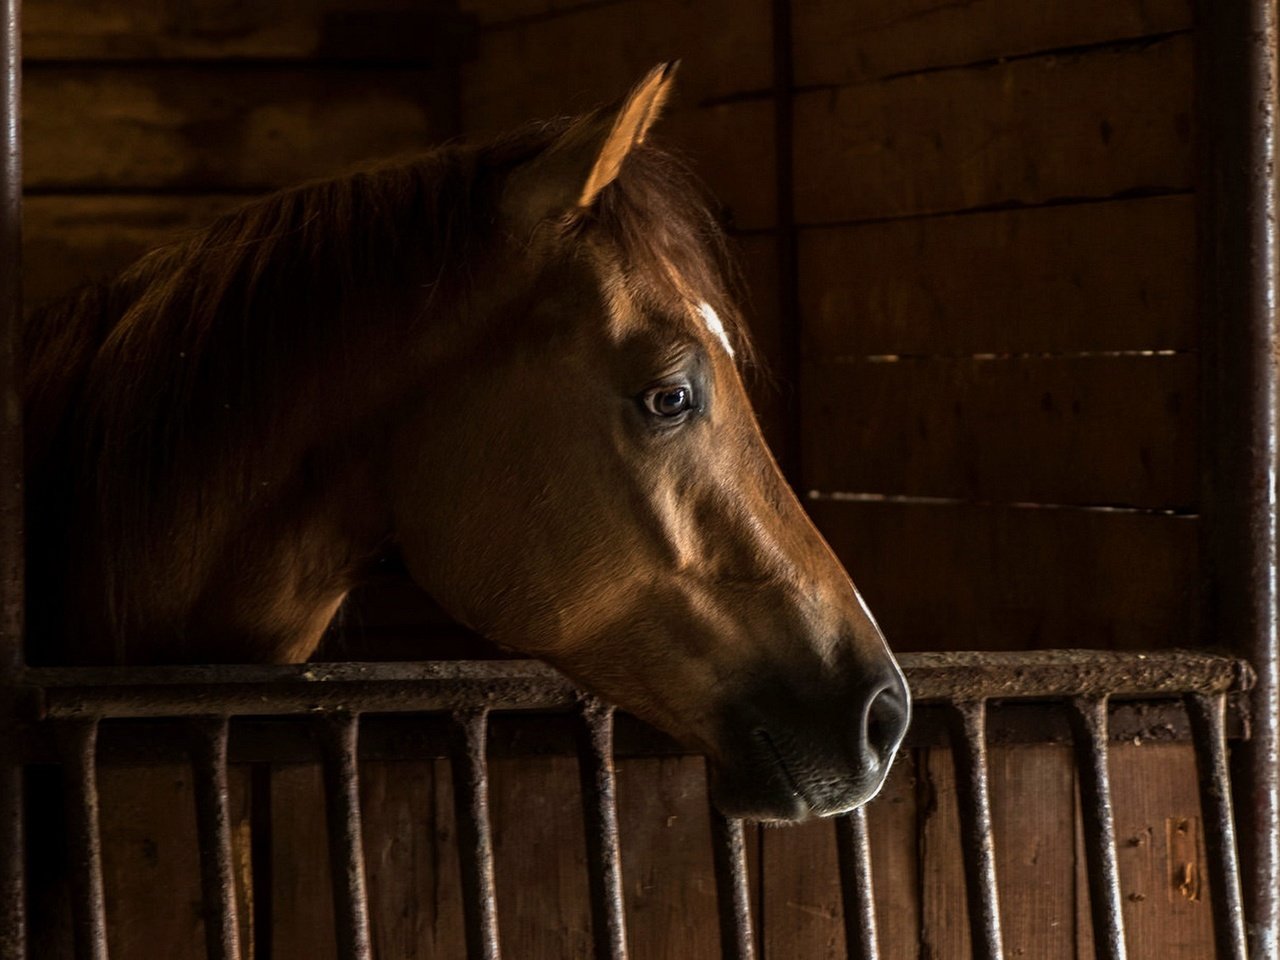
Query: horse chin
point(767, 791)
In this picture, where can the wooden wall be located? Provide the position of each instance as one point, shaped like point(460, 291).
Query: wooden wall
point(969, 232)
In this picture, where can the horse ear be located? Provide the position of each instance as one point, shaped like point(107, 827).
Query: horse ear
point(587, 157)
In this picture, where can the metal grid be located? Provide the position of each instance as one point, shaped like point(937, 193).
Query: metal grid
point(1237, 84)
point(73, 703)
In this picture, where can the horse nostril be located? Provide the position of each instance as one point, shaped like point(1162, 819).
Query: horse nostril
point(886, 718)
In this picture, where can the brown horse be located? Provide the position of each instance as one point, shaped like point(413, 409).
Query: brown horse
point(512, 365)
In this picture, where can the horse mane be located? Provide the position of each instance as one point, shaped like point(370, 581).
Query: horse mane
point(169, 381)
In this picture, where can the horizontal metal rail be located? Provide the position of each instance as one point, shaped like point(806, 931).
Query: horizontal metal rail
point(238, 690)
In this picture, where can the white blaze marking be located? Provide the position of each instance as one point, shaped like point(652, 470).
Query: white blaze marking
point(714, 324)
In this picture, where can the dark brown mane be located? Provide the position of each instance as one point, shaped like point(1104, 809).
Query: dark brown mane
point(174, 390)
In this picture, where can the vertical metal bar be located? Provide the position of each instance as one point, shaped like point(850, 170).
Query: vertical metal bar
point(857, 886)
point(1240, 383)
point(737, 934)
point(13, 944)
point(213, 828)
point(977, 840)
point(1089, 723)
point(600, 809)
point(78, 747)
point(475, 840)
point(1209, 731)
point(338, 738)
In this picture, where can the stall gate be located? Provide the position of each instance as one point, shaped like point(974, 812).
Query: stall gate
point(57, 715)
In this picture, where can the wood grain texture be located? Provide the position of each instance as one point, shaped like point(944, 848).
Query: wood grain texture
point(802, 911)
point(667, 872)
point(1033, 807)
point(837, 42)
point(1107, 276)
point(1161, 847)
point(1093, 430)
point(411, 859)
point(592, 55)
point(498, 13)
point(967, 577)
point(301, 897)
point(71, 240)
point(540, 858)
point(944, 917)
point(204, 129)
point(1096, 124)
point(233, 29)
point(151, 860)
point(892, 819)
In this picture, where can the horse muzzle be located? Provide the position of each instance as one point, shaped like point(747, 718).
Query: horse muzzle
point(790, 752)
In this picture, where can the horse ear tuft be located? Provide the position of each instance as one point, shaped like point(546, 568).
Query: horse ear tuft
point(588, 156)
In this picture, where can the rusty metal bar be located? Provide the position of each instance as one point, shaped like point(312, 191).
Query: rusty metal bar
point(338, 737)
point(213, 827)
point(733, 893)
point(1089, 716)
point(238, 690)
point(77, 741)
point(475, 840)
point(976, 837)
point(1208, 721)
point(1237, 76)
point(857, 886)
point(13, 944)
point(600, 810)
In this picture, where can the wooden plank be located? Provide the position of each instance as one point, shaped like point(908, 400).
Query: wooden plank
point(837, 42)
point(1118, 275)
point(1160, 840)
point(1096, 124)
point(958, 576)
point(1033, 812)
point(411, 856)
point(151, 861)
point(70, 240)
point(944, 917)
point(802, 899)
point(892, 820)
point(540, 858)
point(574, 62)
point(802, 911)
point(497, 13)
point(1075, 430)
point(667, 872)
point(222, 29)
point(202, 128)
point(301, 897)
point(758, 257)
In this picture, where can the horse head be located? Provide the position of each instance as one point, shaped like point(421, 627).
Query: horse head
point(587, 483)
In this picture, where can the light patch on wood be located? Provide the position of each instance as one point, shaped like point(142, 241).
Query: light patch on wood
point(715, 324)
point(1183, 834)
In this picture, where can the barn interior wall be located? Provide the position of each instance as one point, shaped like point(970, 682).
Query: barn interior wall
point(968, 233)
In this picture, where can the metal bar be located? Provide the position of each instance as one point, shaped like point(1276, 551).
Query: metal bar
point(857, 886)
point(13, 944)
point(338, 734)
point(733, 892)
point(213, 827)
point(1239, 341)
point(475, 840)
point(1208, 721)
point(78, 745)
point(977, 841)
point(600, 810)
point(1089, 716)
point(238, 690)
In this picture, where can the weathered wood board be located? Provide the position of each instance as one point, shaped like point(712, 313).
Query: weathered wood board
point(1102, 123)
point(1074, 430)
point(837, 42)
point(155, 128)
point(1092, 277)
point(968, 577)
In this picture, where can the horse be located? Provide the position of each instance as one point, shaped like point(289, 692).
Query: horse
point(516, 367)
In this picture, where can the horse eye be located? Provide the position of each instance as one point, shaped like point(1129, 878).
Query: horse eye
point(669, 401)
